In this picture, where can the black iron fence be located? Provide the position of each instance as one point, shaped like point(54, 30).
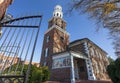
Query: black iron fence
point(17, 46)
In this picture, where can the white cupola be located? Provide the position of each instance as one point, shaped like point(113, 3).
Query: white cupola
point(58, 11)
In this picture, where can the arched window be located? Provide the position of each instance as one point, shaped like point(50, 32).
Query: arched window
point(60, 15)
point(57, 14)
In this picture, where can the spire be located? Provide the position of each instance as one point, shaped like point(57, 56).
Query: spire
point(58, 11)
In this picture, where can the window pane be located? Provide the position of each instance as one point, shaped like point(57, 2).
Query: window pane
point(46, 52)
point(48, 39)
point(61, 62)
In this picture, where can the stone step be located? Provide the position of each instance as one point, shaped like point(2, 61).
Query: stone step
point(81, 81)
point(91, 81)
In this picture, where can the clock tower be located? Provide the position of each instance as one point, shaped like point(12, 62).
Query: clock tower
point(56, 39)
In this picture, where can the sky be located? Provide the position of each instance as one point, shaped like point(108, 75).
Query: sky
point(78, 25)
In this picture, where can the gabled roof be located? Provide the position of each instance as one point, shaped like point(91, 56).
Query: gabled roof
point(85, 40)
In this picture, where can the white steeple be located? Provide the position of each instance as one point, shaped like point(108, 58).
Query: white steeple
point(58, 11)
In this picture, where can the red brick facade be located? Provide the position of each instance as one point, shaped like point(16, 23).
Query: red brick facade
point(58, 41)
point(64, 59)
point(62, 75)
point(98, 57)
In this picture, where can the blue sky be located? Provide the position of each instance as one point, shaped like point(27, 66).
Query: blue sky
point(78, 25)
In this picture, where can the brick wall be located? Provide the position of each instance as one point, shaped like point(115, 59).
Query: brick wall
point(55, 45)
point(50, 46)
point(61, 74)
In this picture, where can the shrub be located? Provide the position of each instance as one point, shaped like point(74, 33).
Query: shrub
point(114, 71)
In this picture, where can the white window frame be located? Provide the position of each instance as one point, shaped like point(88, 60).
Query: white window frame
point(46, 52)
point(45, 63)
point(60, 60)
point(48, 39)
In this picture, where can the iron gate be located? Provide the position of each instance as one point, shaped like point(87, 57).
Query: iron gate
point(17, 45)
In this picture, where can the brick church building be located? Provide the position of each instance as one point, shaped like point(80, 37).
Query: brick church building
point(68, 61)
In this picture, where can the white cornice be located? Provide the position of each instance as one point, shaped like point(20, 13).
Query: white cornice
point(57, 27)
point(65, 54)
point(79, 55)
point(61, 55)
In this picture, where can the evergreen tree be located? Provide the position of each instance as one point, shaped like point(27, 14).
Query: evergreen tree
point(110, 59)
point(114, 71)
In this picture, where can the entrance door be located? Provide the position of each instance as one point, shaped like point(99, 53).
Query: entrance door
point(82, 70)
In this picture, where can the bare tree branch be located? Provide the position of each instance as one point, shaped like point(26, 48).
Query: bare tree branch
point(105, 12)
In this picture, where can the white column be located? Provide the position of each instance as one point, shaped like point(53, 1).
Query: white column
point(76, 69)
point(72, 70)
point(0, 31)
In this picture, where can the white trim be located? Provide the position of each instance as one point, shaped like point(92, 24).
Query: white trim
point(61, 55)
point(46, 52)
point(89, 64)
point(45, 63)
point(78, 55)
point(74, 44)
point(60, 67)
point(72, 70)
point(47, 38)
point(56, 27)
point(76, 69)
point(64, 56)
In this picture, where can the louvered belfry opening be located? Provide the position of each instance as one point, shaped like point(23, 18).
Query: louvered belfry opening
point(17, 45)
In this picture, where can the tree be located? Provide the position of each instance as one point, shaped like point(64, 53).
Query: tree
point(105, 12)
point(40, 75)
point(37, 75)
point(114, 71)
point(110, 59)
